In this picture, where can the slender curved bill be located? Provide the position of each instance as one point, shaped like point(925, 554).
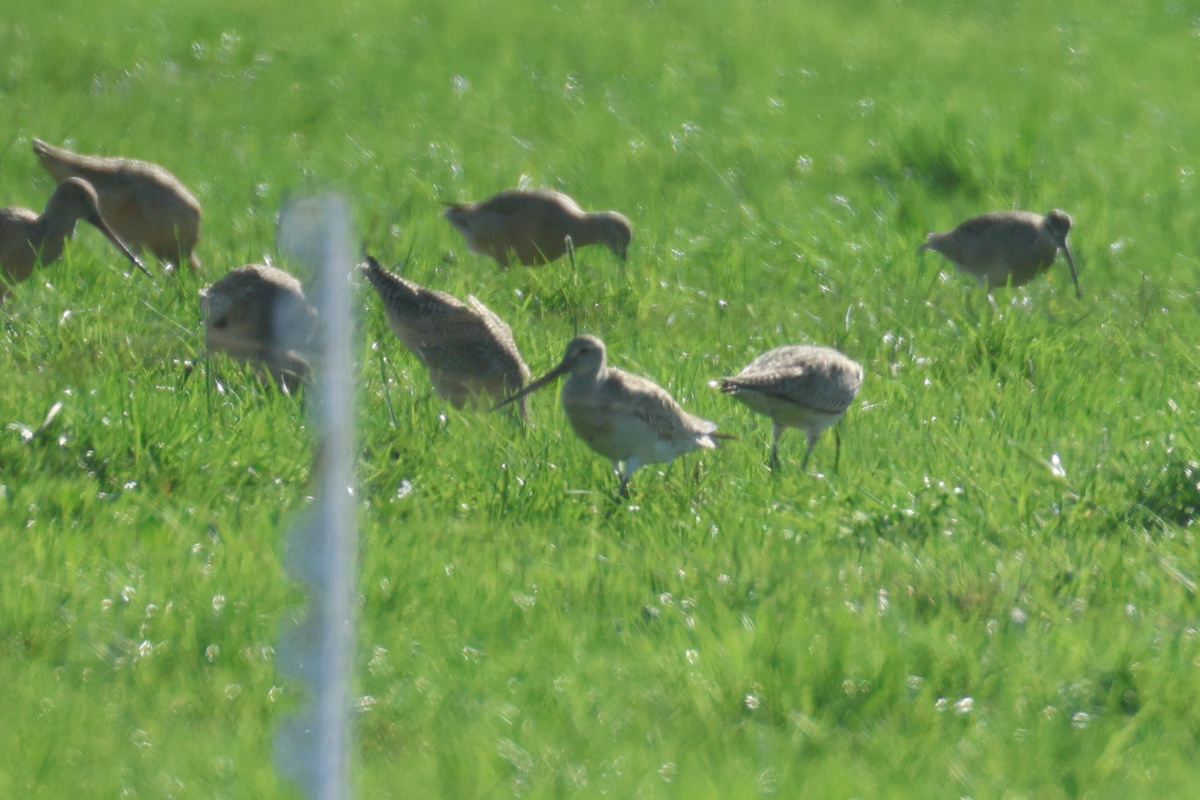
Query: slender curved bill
point(1074, 274)
point(557, 372)
point(98, 222)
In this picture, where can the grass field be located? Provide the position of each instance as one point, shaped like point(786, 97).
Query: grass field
point(992, 596)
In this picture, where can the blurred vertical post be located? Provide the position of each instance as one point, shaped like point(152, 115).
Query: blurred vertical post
point(314, 748)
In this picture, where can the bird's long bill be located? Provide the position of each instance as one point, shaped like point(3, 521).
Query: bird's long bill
point(1074, 274)
point(558, 371)
point(99, 222)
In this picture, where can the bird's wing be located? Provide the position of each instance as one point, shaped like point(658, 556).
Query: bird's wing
point(500, 332)
point(643, 398)
point(802, 385)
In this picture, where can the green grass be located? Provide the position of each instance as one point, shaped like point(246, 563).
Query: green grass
point(728, 632)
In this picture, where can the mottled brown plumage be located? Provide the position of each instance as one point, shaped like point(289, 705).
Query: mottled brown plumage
point(1006, 247)
point(146, 205)
point(467, 348)
point(797, 386)
point(259, 314)
point(532, 226)
point(628, 419)
point(27, 239)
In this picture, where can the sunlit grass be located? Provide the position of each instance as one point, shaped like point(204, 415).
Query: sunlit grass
point(993, 595)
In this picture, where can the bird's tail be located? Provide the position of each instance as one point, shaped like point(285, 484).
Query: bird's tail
point(61, 163)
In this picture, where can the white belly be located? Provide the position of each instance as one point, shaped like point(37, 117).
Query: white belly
point(620, 437)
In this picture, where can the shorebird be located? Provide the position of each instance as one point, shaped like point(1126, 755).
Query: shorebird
point(1004, 247)
point(146, 205)
point(467, 348)
point(797, 386)
point(629, 420)
point(27, 239)
point(533, 226)
point(259, 314)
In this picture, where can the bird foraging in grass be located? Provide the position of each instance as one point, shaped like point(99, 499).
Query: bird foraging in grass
point(259, 314)
point(628, 419)
point(28, 239)
point(533, 226)
point(467, 348)
point(797, 386)
point(1003, 248)
point(148, 207)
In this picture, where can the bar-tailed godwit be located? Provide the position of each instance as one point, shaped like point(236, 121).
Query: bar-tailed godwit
point(797, 386)
point(467, 348)
point(145, 205)
point(533, 226)
point(259, 314)
point(628, 419)
point(1004, 247)
point(27, 239)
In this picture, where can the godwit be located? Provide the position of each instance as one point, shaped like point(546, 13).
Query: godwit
point(468, 349)
point(629, 420)
point(1004, 247)
point(797, 386)
point(146, 205)
point(27, 239)
point(259, 314)
point(533, 225)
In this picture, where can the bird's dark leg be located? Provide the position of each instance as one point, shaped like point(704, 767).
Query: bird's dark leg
point(387, 393)
point(574, 282)
point(208, 382)
point(623, 487)
point(188, 368)
point(837, 445)
point(812, 442)
point(628, 468)
point(774, 463)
